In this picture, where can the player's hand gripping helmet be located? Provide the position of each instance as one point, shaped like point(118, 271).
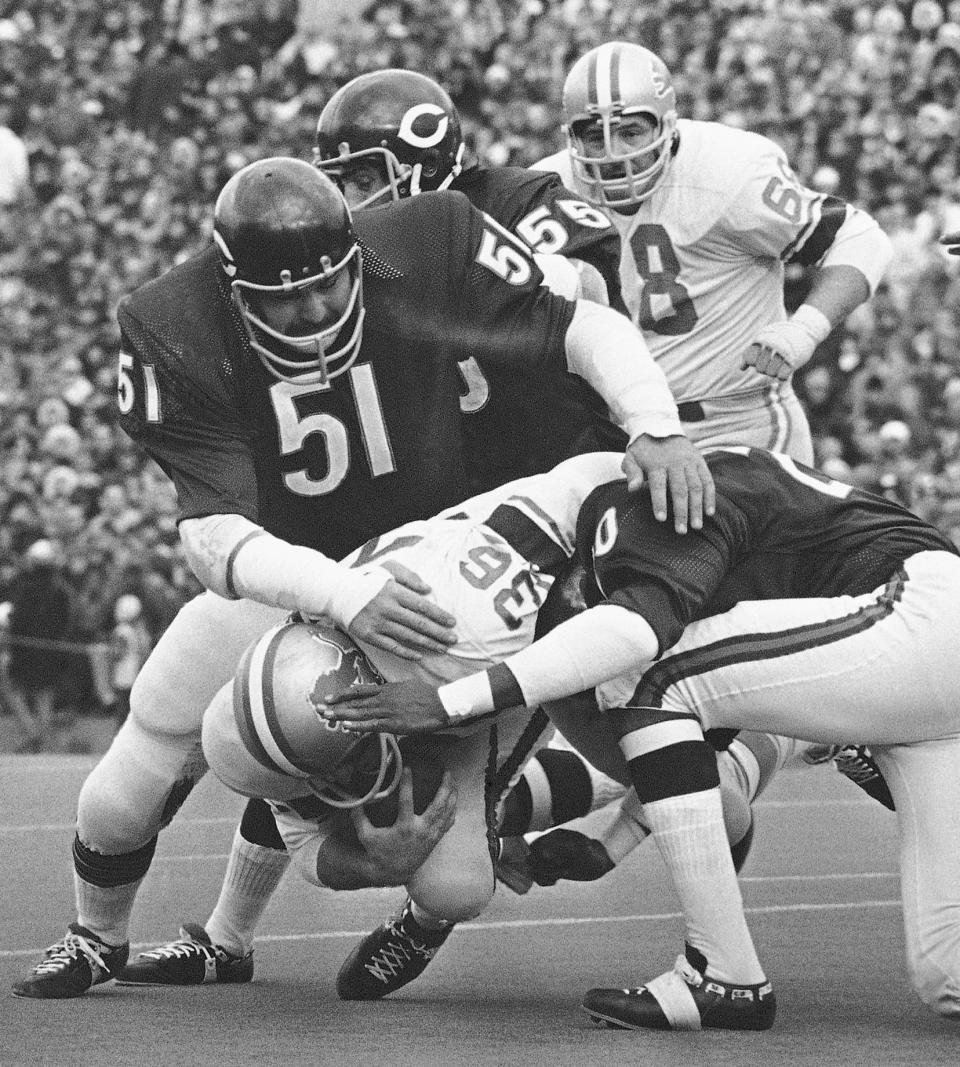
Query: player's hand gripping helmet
point(402, 120)
point(265, 737)
point(603, 90)
point(282, 227)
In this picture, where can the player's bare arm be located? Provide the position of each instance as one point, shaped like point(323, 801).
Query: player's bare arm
point(677, 475)
point(849, 273)
point(603, 346)
point(371, 855)
point(408, 707)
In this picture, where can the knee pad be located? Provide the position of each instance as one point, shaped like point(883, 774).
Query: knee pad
point(136, 786)
point(110, 871)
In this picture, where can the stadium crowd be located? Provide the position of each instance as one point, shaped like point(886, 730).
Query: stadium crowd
point(119, 123)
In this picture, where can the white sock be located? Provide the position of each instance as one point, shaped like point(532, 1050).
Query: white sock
point(690, 834)
point(105, 911)
point(252, 876)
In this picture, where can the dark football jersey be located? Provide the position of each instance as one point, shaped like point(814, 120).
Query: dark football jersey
point(330, 466)
point(781, 530)
point(543, 212)
point(513, 430)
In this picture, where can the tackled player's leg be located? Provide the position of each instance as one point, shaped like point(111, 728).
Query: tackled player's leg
point(454, 884)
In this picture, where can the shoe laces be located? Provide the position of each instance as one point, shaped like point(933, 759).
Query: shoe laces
point(857, 764)
point(183, 947)
point(59, 955)
point(407, 942)
point(390, 959)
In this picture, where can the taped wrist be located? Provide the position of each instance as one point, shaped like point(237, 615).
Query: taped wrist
point(813, 322)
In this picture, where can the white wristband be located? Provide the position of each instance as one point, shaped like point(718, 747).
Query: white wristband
point(466, 697)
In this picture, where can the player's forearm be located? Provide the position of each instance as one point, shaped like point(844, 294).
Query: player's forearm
point(865, 251)
point(593, 647)
point(608, 351)
point(836, 292)
point(235, 558)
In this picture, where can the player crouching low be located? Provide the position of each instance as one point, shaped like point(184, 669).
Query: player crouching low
point(356, 812)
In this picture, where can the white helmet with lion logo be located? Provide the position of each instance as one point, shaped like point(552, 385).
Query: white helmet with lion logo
point(264, 736)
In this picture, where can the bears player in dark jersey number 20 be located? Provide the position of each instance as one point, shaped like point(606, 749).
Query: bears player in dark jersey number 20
point(299, 384)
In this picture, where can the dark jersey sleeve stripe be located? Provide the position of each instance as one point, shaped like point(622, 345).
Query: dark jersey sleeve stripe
point(228, 580)
point(832, 216)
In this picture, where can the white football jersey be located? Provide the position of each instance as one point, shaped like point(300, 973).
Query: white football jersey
point(488, 561)
point(702, 259)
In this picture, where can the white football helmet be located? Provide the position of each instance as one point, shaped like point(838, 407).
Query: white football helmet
point(603, 90)
point(265, 737)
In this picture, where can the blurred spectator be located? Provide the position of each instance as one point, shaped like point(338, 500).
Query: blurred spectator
point(14, 165)
point(130, 645)
point(40, 606)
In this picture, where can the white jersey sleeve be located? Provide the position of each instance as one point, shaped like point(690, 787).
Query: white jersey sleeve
point(773, 214)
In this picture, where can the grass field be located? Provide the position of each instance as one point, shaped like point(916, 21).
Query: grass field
point(820, 887)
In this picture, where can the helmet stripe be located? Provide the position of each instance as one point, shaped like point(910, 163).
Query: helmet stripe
point(243, 715)
point(592, 80)
point(604, 79)
point(284, 754)
point(261, 709)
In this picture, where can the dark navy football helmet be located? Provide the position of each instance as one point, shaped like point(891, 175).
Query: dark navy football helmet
point(282, 226)
point(400, 119)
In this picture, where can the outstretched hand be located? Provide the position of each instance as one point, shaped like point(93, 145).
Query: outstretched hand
point(672, 464)
point(400, 619)
point(408, 707)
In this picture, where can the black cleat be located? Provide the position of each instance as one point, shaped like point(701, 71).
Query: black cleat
point(683, 999)
point(857, 763)
point(390, 957)
point(190, 960)
point(71, 966)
